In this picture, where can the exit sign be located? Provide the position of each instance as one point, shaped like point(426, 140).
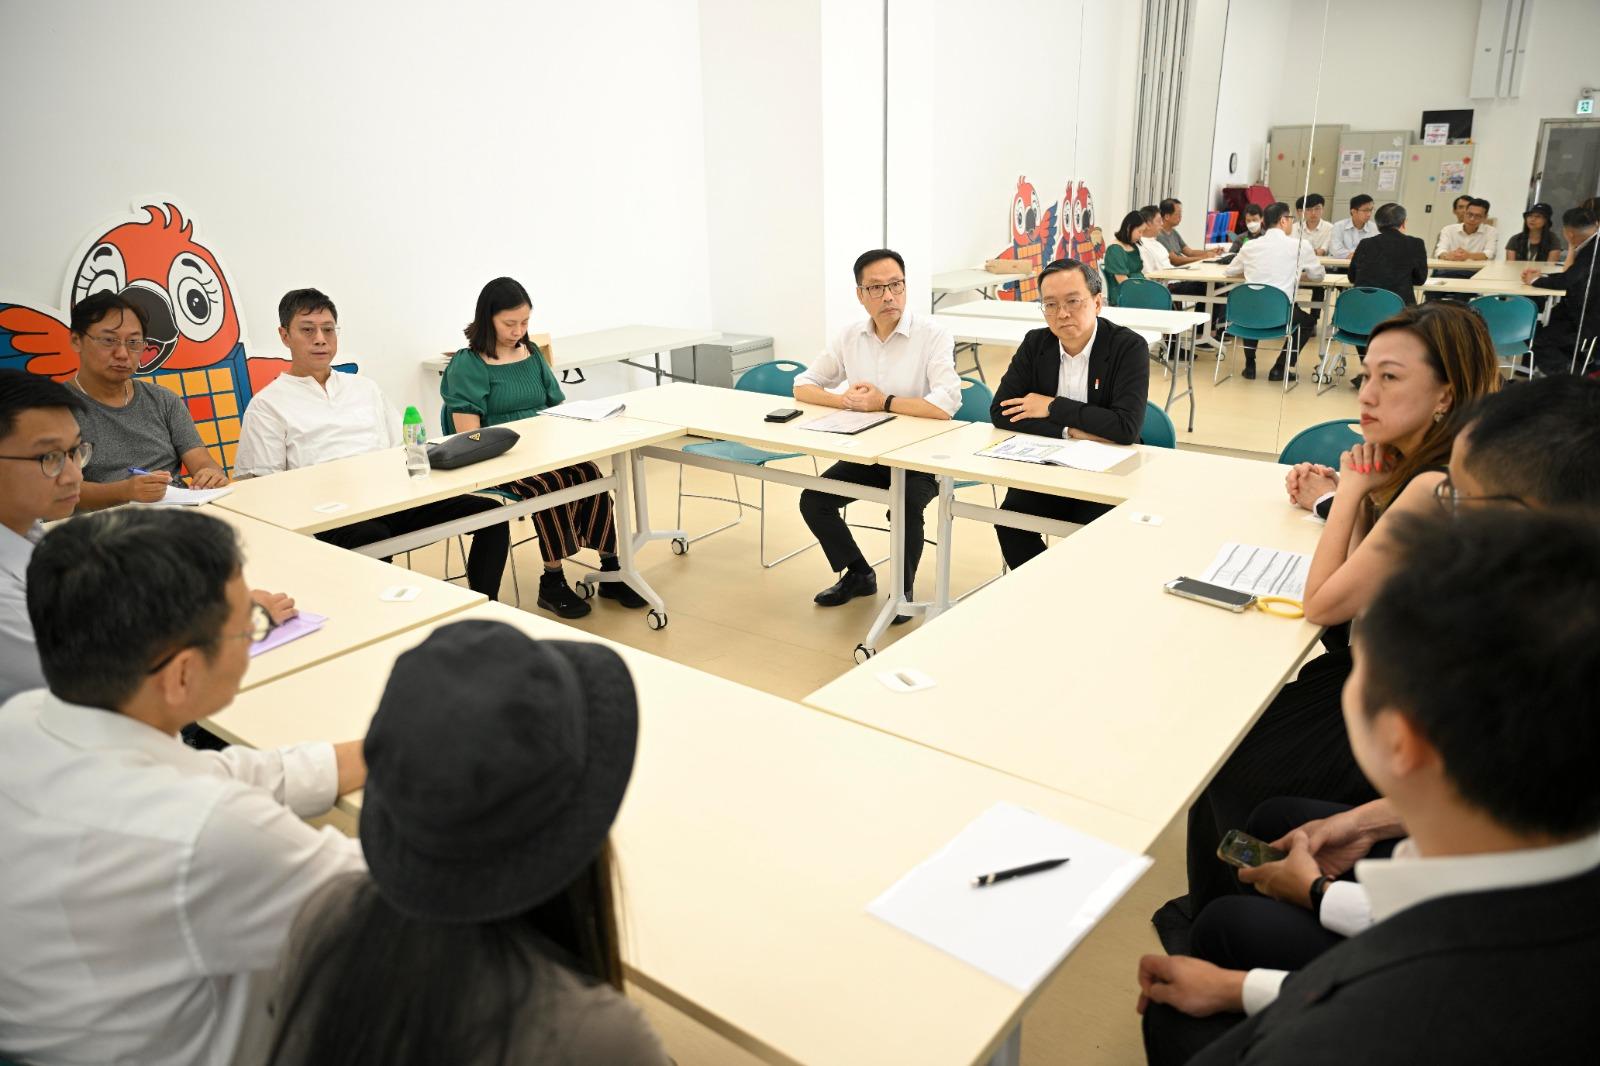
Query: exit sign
point(1586, 107)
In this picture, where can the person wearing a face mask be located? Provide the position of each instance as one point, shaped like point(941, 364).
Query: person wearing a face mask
point(1251, 217)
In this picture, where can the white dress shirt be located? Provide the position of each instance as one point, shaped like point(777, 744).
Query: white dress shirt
point(1276, 259)
point(1073, 382)
point(1342, 245)
point(917, 360)
point(1389, 886)
point(1317, 236)
point(145, 882)
point(1455, 238)
point(19, 658)
point(295, 422)
point(1154, 254)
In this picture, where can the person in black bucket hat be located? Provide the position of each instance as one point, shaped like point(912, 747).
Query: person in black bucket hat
point(486, 931)
point(1539, 241)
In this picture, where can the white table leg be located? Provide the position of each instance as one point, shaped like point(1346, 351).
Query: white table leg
point(944, 549)
point(1010, 1052)
point(622, 515)
point(897, 564)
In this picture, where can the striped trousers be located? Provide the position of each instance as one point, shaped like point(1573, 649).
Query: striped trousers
point(585, 523)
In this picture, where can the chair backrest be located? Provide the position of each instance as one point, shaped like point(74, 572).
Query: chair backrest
point(1158, 430)
point(976, 400)
point(1142, 292)
point(775, 378)
point(1510, 318)
point(1322, 443)
point(1258, 307)
point(1360, 309)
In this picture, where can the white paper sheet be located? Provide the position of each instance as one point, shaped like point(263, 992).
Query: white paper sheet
point(1019, 930)
point(587, 410)
point(178, 496)
point(846, 421)
point(1259, 571)
point(1078, 454)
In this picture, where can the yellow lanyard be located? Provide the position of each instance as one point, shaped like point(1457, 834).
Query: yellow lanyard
point(1280, 606)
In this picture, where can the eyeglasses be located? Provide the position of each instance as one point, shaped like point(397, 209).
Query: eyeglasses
point(261, 623)
point(109, 344)
point(1072, 305)
point(877, 291)
point(310, 332)
point(1451, 498)
point(52, 463)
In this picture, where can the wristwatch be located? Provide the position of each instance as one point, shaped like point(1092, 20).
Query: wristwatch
point(887, 402)
point(1319, 888)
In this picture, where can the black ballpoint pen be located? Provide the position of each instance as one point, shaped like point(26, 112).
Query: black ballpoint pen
point(1017, 871)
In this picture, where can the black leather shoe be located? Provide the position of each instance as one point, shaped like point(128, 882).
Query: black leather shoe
point(1276, 373)
point(847, 588)
point(556, 596)
point(900, 619)
point(1249, 371)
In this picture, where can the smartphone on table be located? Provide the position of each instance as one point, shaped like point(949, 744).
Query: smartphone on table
point(1205, 592)
point(783, 414)
point(1243, 850)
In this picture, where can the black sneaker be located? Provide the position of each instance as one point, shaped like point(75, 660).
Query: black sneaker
point(556, 596)
point(847, 588)
point(623, 593)
point(1249, 371)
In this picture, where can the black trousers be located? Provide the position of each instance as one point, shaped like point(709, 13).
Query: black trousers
point(1305, 324)
point(1553, 346)
point(824, 515)
point(1017, 546)
point(486, 561)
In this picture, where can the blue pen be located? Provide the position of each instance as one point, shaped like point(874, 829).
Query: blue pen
point(137, 470)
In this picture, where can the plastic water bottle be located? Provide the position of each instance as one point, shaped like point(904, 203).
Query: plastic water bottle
point(414, 435)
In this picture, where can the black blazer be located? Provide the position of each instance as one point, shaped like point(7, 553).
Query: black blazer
point(1119, 385)
point(1392, 261)
point(1575, 282)
point(1487, 977)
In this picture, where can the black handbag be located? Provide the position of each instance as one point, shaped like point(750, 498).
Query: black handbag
point(474, 446)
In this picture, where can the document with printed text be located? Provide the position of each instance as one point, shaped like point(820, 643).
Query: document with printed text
point(1259, 571)
point(1077, 454)
point(847, 421)
point(588, 410)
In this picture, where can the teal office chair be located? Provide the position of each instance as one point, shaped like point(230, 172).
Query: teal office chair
point(774, 379)
point(1355, 315)
point(1322, 443)
point(1158, 430)
point(1257, 313)
point(1511, 321)
point(1142, 292)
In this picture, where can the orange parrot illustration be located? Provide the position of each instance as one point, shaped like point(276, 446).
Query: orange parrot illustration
point(1032, 238)
point(1077, 229)
point(194, 333)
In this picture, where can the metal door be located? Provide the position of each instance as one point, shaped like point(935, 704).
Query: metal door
point(1566, 168)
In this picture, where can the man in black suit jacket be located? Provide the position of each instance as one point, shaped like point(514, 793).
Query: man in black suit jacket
point(1485, 925)
point(1080, 377)
point(1391, 260)
point(1554, 344)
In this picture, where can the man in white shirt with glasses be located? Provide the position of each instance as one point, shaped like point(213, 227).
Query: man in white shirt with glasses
point(891, 361)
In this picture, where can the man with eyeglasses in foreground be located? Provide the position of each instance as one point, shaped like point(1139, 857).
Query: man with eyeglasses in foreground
point(142, 432)
point(1080, 377)
point(892, 361)
point(312, 414)
point(146, 882)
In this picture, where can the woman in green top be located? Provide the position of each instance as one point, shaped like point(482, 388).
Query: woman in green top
point(1123, 262)
point(501, 376)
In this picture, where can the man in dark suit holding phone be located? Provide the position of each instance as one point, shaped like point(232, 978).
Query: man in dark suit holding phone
point(1080, 377)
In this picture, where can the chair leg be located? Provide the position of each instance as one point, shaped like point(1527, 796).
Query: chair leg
point(1217, 377)
point(762, 523)
point(737, 500)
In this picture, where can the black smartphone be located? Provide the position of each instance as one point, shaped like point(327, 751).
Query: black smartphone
point(783, 414)
point(1243, 850)
point(1205, 592)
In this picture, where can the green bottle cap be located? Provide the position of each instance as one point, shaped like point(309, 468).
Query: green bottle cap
point(413, 417)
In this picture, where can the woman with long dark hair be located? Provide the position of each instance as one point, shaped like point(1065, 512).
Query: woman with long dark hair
point(1425, 366)
point(1123, 262)
point(485, 933)
point(501, 376)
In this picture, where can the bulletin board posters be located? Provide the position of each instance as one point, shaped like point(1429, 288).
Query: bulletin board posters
point(1386, 159)
point(1388, 179)
point(1452, 176)
point(1352, 164)
point(1436, 133)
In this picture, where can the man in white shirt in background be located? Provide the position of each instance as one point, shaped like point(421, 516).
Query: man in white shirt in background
point(1311, 226)
point(313, 414)
point(1349, 232)
point(1471, 240)
point(1485, 915)
point(893, 361)
point(1277, 259)
point(146, 882)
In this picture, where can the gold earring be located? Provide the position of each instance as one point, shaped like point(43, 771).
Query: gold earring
point(1438, 416)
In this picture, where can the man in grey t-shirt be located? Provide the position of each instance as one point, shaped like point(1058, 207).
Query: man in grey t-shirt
point(142, 434)
point(1180, 253)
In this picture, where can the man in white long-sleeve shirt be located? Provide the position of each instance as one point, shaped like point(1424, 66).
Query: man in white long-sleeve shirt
point(1280, 260)
point(145, 881)
point(1472, 240)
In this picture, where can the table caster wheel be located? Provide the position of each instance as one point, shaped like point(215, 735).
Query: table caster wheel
point(863, 653)
point(680, 546)
point(655, 619)
point(583, 589)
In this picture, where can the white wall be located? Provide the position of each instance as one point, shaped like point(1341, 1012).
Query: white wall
point(397, 155)
point(1420, 55)
point(1254, 56)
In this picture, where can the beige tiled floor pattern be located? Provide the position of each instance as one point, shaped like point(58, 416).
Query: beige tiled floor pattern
point(731, 617)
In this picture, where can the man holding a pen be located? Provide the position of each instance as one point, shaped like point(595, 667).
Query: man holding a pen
point(142, 434)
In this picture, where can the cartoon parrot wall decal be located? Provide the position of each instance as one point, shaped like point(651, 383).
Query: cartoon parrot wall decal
point(1080, 239)
point(1032, 238)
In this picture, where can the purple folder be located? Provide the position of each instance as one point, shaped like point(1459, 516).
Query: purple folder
point(293, 629)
